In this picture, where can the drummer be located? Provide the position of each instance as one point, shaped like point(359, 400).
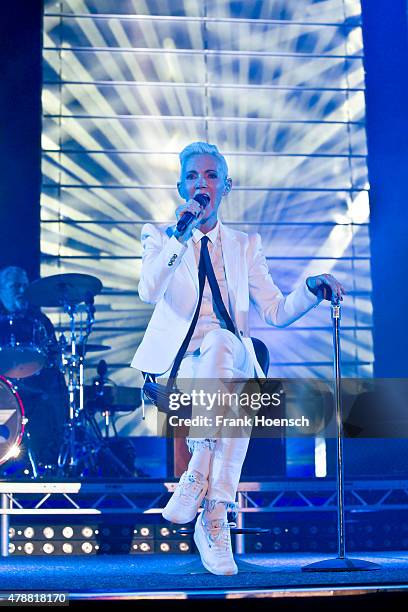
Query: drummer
point(13, 283)
point(44, 394)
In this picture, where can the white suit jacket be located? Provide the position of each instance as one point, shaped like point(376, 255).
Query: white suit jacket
point(169, 280)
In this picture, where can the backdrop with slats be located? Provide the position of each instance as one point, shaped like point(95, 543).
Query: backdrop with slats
point(278, 85)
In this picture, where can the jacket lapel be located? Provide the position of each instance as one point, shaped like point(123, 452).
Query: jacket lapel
point(188, 258)
point(190, 261)
point(231, 257)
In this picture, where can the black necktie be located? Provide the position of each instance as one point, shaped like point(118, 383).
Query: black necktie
point(186, 341)
point(205, 269)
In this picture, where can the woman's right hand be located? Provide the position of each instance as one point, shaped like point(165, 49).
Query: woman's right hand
point(190, 206)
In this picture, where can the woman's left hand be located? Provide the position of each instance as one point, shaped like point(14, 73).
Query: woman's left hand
point(324, 286)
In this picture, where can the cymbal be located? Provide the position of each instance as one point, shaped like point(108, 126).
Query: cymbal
point(89, 348)
point(61, 289)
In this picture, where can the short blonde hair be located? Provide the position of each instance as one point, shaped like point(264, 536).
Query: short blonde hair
point(203, 148)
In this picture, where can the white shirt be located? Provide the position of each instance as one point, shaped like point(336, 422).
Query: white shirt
point(209, 318)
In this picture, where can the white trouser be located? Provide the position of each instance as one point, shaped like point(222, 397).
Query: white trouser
point(222, 355)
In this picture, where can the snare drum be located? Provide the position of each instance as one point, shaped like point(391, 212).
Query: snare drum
point(11, 420)
point(23, 346)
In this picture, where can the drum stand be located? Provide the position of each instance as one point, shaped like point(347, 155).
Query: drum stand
point(101, 447)
point(341, 563)
point(83, 441)
point(30, 454)
point(76, 454)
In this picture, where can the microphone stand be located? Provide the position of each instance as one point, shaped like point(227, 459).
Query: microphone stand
point(341, 563)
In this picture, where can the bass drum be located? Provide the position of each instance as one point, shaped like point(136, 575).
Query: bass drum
point(11, 420)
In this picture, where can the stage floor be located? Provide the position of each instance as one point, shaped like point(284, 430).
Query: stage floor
point(182, 576)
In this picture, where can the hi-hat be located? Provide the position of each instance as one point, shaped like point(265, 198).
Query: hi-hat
point(61, 289)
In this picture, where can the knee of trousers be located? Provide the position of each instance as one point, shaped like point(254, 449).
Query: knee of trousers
point(218, 339)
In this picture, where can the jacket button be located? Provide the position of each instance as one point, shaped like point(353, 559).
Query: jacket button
point(241, 332)
point(172, 260)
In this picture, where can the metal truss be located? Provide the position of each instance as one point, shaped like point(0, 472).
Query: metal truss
point(130, 497)
point(108, 498)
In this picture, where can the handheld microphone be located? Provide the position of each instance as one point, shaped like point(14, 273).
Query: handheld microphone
point(183, 222)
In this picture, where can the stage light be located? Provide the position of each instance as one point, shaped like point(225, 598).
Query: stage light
point(48, 548)
point(11, 548)
point(13, 453)
point(48, 532)
point(86, 547)
point(320, 457)
point(359, 207)
point(142, 547)
point(12, 532)
point(67, 548)
point(28, 548)
point(290, 118)
point(29, 532)
point(164, 547)
point(67, 532)
point(145, 532)
point(164, 531)
point(87, 532)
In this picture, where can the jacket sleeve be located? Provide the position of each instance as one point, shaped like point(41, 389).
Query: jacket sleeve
point(271, 305)
point(161, 257)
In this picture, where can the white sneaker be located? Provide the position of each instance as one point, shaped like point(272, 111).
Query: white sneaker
point(213, 540)
point(186, 499)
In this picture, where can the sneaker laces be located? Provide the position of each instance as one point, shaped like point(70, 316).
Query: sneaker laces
point(218, 534)
point(190, 487)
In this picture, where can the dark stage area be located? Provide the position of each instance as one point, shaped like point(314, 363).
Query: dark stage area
point(158, 576)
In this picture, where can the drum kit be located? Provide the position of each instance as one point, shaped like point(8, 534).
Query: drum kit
point(26, 348)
